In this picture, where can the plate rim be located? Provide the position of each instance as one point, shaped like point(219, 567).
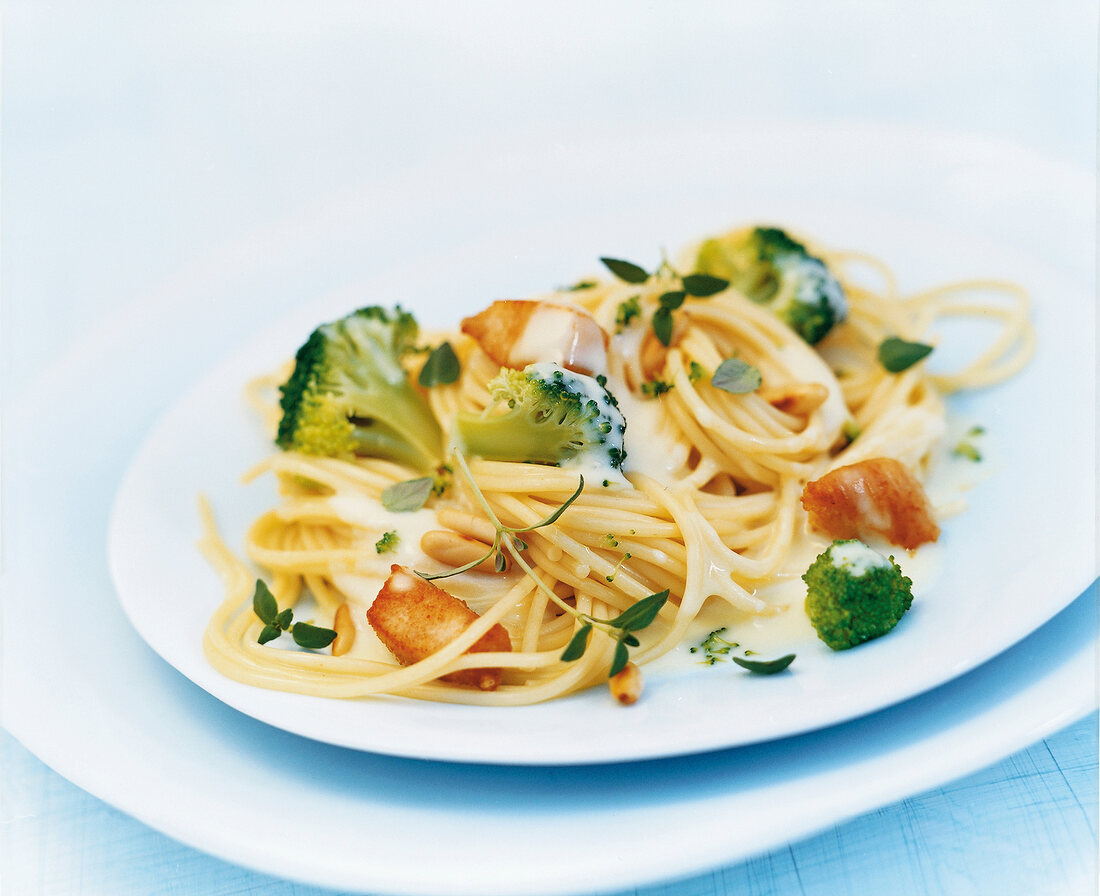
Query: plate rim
point(102, 781)
point(437, 751)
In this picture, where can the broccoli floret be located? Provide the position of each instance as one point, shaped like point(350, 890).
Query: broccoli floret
point(388, 542)
point(774, 270)
point(349, 394)
point(551, 416)
point(854, 594)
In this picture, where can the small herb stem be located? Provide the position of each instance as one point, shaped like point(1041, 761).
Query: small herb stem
point(479, 497)
point(621, 628)
point(504, 538)
point(517, 556)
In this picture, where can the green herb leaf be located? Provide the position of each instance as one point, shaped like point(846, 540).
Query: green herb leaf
point(626, 270)
point(672, 300)
point(765, 667)
point(630, 641)
point(965, 449)
point(655, 388)
point(500, 562)
point(662, 325)
point(897, 355)
point(640, 615)
point(441, 481)
point(441, 368)
point(583, 284)
point(263, 603)
point(312, 636)
point(622, 657)
point(578, 644)
point(404, 497)
point(282, 621)
point(626, 312)
point(736, 376)
point(269, 633)
point(703, 285)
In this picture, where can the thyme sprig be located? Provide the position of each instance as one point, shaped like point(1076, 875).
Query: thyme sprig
point(696, 285)
point(507, 542)
point(277, 621)
point(621, 629)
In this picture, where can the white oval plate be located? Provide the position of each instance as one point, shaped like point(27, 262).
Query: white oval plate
point(1020, 554)
point(108, 713)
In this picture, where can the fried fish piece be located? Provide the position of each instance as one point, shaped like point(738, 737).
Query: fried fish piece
point(414, 618)
point(518, 332)
point(878, 496)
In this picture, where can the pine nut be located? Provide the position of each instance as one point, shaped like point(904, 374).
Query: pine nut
point(454, 550)
point(345, 630)
point(626, 685)
point(795, 398)
point(467, 524)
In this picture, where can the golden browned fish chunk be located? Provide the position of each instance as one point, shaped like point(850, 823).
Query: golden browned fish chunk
point(518, 332)
point(877, 496)
point(414, 618)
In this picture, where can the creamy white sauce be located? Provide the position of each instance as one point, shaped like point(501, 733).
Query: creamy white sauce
point(375, 521)
point(951, 476)
point(855, 557)
point(594, 464)
point(648, 449)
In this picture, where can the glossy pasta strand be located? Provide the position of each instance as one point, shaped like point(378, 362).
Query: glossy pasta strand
point(711, 511)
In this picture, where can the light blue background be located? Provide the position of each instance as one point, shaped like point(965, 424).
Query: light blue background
point(140, 140)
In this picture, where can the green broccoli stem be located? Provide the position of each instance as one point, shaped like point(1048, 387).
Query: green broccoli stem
point(514, 435)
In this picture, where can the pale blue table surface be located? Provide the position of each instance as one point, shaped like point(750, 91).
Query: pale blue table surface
point(1026, 825)
point(139, 138)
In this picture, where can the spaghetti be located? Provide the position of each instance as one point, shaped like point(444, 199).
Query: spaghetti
point(707, 505)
